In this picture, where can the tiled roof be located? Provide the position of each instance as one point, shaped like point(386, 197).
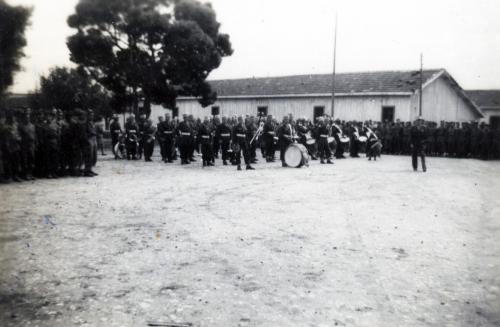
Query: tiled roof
point(485, 98)
point(367, 82)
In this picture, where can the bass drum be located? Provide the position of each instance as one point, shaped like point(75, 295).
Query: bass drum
point(296, 156)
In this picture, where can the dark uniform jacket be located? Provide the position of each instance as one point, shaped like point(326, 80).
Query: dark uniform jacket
point(223, 133)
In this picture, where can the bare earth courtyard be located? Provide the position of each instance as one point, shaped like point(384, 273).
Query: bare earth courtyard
point(355, 244)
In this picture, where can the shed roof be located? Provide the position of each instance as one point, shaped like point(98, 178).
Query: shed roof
point(485, 98)
point(364, 82)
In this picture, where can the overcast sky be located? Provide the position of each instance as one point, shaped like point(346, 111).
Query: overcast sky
point(284, 37)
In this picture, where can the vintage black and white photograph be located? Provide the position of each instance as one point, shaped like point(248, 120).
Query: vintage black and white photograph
point(249, 163)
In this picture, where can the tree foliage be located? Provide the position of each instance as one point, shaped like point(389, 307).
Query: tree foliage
point(67, 89)
point(13, 23)
point(153, 50)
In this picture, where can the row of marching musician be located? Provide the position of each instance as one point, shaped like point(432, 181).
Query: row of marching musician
point(237, 138)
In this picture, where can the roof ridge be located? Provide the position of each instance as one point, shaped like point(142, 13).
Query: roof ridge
point(327, 74)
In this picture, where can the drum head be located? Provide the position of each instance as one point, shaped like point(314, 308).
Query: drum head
point(344, 140)
point(363, 139)
point(293, 156)
point(311, 141)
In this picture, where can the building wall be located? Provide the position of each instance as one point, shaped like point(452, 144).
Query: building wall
point(346, 108)
point(442, 102)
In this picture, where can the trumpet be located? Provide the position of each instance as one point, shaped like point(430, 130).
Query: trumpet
point(258, 133)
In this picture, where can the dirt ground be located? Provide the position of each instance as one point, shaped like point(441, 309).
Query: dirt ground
point(358, 243)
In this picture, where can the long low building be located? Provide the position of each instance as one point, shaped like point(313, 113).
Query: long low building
point(377, 96)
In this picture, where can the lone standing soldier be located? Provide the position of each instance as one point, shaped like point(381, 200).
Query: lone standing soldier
point(417, 144)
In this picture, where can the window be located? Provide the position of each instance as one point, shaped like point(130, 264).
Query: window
point(262, 111)
point(175, 112)
point(215, 111)
point(318, 112)
point(388, 113)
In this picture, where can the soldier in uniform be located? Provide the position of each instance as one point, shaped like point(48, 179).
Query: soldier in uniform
point(160, 136)
point(405, 138)
point(205, 139)
point(268, 134)
point(430, 139)
point(77, 139)
point(28, 143)
point(240, 144)
point(216, 142)
point(460, 140)
point(417, 144)
point(90, 150)
point(322, 134)
point(115, 131)
point(285, 133)
point(13, 148)
point(396, 138)
point(65, 144)
point(251, 130)
point(450, 140)
point(223, 134)
point(141, 122)
point(194, 145)
point(169, 138)
point(441, 137)
point(149, 140)
point(185, 140)
point(52, 145)
point(132, 138)
point(336, 133)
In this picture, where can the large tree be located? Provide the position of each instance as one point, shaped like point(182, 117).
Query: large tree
point(151, 50)
point(67, 89)
point(13, 22)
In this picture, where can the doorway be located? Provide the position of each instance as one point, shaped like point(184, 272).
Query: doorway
point(388, 114)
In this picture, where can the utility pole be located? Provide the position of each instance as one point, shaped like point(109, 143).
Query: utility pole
point(334, 66)
point(421, 85)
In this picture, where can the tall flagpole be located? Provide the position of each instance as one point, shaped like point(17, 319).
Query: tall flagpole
point(421, 84)
point(334, 65)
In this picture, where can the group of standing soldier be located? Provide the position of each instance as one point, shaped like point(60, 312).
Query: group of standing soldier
point(448, 139)
point(49, 145)
point(55, 144)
